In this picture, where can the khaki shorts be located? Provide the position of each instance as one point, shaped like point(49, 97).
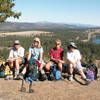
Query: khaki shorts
point(79, 66)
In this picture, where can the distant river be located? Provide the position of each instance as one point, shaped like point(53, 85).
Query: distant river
point(96, 40)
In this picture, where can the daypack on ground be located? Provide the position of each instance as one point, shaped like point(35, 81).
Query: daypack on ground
point(91, 71)
point(5, 70)
point(54, 73)
point(2, 70)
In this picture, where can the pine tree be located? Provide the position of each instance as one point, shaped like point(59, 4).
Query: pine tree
point(6, 10)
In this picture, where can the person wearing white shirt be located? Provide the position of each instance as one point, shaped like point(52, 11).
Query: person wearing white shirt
point(16, 56)
point(74, 59)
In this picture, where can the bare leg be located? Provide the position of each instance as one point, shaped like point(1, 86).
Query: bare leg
point(41, 69)
point(11, 62)
point(71, 72)
point(24, 71)
point(82, 73)
point(48, 66)
point(60, 66)
point(71, 69)
point(30, 88)
point(17, 63)
point(23, 89)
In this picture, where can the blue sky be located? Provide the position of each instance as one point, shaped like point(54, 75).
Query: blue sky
point(64, 11)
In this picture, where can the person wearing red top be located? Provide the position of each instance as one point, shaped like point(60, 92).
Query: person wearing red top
point(56, 56)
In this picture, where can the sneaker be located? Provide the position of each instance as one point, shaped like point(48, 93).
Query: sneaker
point(62, 78)
point(11, 77)
point(71, 78)
point(16, 77)
point(20, 76)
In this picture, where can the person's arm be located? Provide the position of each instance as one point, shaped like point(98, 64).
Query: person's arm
point(78, 55)
point(70, 59)
point(21, 53)
point(62, 56)
point(41, 54)
point(53, 59)
point(11, 57)
point(29, 54)
point(10, 54)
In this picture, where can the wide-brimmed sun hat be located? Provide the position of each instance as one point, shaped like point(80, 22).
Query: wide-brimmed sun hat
point(72, 44)
point(16, 42)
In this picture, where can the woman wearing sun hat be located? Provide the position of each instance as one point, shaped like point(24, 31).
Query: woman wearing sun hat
point(74, 59)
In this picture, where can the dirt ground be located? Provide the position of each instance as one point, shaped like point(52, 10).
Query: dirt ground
point(51, 90)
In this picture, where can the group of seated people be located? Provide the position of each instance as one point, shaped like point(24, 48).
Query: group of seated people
point(73, 58)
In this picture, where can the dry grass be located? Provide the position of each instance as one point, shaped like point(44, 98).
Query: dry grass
point(23, 33)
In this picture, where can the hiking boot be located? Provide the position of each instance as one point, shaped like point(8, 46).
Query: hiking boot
point(87, 81)
point(7, 77)
point(71, 78)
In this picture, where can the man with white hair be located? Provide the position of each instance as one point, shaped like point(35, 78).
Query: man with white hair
point(16, 57)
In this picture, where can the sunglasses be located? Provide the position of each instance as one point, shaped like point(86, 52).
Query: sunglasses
point(16, 44)
point(58, 44)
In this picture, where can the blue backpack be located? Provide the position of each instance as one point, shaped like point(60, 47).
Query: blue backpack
point(58, 74)
point(55, 73)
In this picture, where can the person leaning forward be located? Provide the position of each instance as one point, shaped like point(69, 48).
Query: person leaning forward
point(74, 59)
point(16, 57)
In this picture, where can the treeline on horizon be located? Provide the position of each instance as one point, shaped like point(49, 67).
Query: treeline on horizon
point(89, 50)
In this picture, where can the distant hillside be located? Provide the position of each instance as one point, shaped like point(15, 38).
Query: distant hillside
point(15, 26)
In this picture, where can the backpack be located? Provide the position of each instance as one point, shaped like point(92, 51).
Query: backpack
point(91, 72)
point(2, 71)
point(58, 74)
point(54, 73)
point(32, 73)
point(5, 70)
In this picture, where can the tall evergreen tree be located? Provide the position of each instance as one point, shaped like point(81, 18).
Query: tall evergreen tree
point(6, 10)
